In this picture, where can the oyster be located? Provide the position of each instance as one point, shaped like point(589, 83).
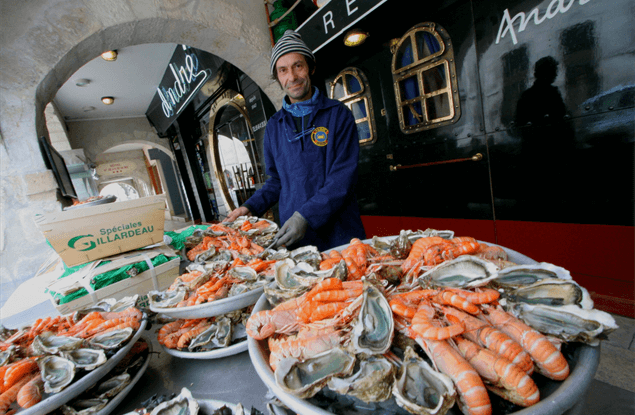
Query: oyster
point(291, 276)
point(112, 386)
point(165, 299)
point(112, 339)
point(86, 358)
point(420, 389)
point(309, 254)
point(84, 406)
point(205, 255)
point(552, 292)
point(276, 295)
point(246, 274)
point(522, 275)
point(568, 322)
point(48, 343)
point(57, 372)
point(224, 333)
point(203, 338)
point(305, 379)
point(374, 326)
point(7, 355)
point(182, 404)
point(371, 381)
point(464, 271)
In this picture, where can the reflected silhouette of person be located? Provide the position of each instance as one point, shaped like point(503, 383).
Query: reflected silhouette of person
point(546, 137)
point(542, 103)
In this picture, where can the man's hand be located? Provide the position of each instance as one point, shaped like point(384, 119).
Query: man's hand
point(292, 231)
point(241, 211)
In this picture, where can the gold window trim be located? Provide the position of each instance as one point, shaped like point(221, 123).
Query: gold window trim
point(351, 98)
point(445, 57)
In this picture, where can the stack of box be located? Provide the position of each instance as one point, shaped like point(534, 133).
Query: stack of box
point(112, 232)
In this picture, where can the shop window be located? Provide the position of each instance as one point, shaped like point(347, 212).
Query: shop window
point(424, 77)
point(351, 88)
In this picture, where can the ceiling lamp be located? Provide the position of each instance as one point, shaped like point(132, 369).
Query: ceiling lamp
point(107, 100)
point(110, 55)
point(82, 82)
point(355, 37)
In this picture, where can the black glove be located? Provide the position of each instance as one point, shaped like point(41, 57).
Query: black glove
point(292, 231)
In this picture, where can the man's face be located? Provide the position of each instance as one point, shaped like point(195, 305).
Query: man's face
point(293, 75)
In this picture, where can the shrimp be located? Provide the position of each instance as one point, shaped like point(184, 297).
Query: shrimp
point(480, 296)
point(338, 295)
point(418, 249)
point(549, 361)
point(423, 325)
point(31, 393)
point(473, 397)
point(168, 329)
point(482, 333)
point(265, 323)
point(303, 347)
point(186, 337)
point(448, 297)
point(10, 395)
point(507, 380)
point(18, 371)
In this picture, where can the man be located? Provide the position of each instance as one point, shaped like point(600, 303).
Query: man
point(311, 153)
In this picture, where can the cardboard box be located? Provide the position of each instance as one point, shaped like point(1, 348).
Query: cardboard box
point(155, 279)
point(90, 233)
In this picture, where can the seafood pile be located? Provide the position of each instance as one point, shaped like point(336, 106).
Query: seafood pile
point(106, 390)
point(226, 260)
point(185, 403)
point(47, 356)
point(424, 320)
point(205, 334)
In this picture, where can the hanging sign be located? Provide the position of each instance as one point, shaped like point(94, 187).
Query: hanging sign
point(122, 167)
point(332, 19)
point(188, 71)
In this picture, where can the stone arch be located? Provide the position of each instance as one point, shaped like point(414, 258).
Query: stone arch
point(44, 44)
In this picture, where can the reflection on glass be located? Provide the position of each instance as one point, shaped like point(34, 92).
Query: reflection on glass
point(438, 106)
point(338, 89)
point(427, 44)
point(363, 130)
point(413, 113)
point(409, 88)
point(122, 191)
point(434, 78)
point(404, 54)
point(353, 84)
point(359, 109)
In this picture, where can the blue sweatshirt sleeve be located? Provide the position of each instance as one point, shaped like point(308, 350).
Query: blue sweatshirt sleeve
point(269, 193)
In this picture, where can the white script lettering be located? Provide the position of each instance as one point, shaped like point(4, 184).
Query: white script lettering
point(184, 77)
point(348, 7)
point(507, 23)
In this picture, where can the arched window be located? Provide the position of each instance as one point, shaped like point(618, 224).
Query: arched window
point(351, 88)
point(424, 77)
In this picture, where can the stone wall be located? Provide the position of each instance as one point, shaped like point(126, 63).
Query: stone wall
point(45, 42)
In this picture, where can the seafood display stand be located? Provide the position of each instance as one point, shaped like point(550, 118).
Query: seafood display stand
point(557, 398)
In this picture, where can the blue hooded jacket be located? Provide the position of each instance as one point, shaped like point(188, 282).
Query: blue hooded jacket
point(315, 175)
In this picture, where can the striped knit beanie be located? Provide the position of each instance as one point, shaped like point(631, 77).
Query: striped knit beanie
point(288, 43)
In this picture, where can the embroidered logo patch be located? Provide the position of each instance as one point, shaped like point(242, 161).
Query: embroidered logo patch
point(320, 136)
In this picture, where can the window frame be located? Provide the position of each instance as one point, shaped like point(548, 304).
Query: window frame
point(351, 98)
point(445, 57)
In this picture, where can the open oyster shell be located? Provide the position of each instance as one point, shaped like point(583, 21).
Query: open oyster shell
point(374, 327)
point(569, 322)
point(464, 271)
point(305, 378)
point(86, 358)
point(84, 406)
point(309, 254)
point(57, 372)
point(420, 389)
point(527, 274)
point(371, 381)
point(166, 299)
point(182, 404)
point(112, 339)
point(552, 292)
point(112, 386)
point(48, 343)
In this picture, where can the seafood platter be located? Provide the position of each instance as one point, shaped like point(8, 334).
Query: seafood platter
point(54, 360)
point(425, 323)
point(185, 403)
point(228, 270)
point(206, 338)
